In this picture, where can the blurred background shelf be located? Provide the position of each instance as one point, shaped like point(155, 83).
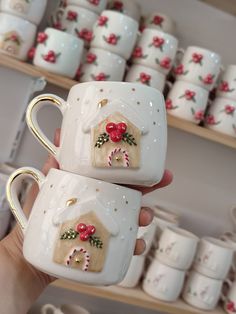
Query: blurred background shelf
point(132, 297)
point(226, 5)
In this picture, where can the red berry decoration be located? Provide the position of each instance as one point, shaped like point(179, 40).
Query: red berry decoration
point(84, 236)
point(91, 229)
point(121, 127)
point(116, 136)
point(110, 127)
point(81, 228)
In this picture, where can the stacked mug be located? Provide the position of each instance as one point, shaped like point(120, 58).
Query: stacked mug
point(221, 116)
point(82, 227)
point(152, 58)
point(196, 76)
point(211, 266)
point(159, 21)
point(165, 277)
point(114, 37)
point(18, 25)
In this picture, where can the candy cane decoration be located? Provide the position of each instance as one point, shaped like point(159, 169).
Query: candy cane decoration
point(86, 257)
point(116, 151)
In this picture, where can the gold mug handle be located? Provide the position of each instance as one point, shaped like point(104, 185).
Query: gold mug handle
point(31, 118)
point(13, 183)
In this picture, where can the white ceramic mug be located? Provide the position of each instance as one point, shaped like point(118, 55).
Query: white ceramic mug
point(116, 33)
point(177, 248)
point(96, 6)
point(112, 131)
point(213, 258)
point(127, 7)
point(227, 85)
point(31, 11)
point(134, 272)
point(187, 101)
point(76, 21)
point(163, 282)
point(80, 228)
point(155, 49)
point(160, 21)
point(64, 309)
point(102, 65)
point(16, 36)
point(199, 66)
point(147, 76)
point(202, 292)
point(52, 52)
point(221, 116)
point(230, 298)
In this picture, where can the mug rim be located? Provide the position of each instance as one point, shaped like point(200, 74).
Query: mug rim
point(190, 84)
point(120, 15)
point(217, 243)
point(194, 272)
point(64, 34)
point(205, 50)
point(167, 35)
point(106, 52)
point(19, 19)
point(81, 9)
point(182, 232)
point(156, 260)
point(218, 98)
point(167, 212)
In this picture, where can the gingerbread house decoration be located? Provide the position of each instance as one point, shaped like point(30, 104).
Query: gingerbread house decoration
point(11, 43)
point(116, 130)
point(84, 235)
point(21, 6)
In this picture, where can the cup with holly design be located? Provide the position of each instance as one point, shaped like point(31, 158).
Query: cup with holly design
point(187, 101)
point(102, 65)
point(227, 84)
point(76, 21)
point(147, 76)
point(58, 52)
point(16, 36)
point(221, 116)
point(199, 66)
point(127, 7)
point(155, 49)
point(116, 33)
point(96, 6)
point(159, 21)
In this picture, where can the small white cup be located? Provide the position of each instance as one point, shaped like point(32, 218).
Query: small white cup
point(213, 258)
point(96, 6)
point(31, 11)
point(16, 36)
point(144, 75)
point(160, 21)
point(76, 21)
point(116, 33)
point(52, 52)
point(102, 65)
point(199, 66)
point(177, 248)
point(127, 7)
point(134, 272)
point(163, 282)
point(156, 49)
point(221, 116)
point(202, 292)
point(187, 101)
point(64, 309)
point(227, 85)
point(230, 298)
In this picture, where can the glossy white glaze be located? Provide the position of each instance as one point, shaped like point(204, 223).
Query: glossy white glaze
point(127, 7)
point(96, 6)
point(227, 84)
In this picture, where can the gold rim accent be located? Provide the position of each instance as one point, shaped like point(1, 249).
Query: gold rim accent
point(31, 125)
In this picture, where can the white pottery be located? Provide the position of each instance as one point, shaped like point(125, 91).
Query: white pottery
point(64, 309)
point(16, 36)
point(221, 116)
point(96, 6)
point(160, 21)
point(89, 242)
point(227, 85)
point(163, 282)
point(102, 65)
point(199, 66)
point(132, 152)
point(144, 75)
point(156, 49)
point(187, 101)
point(31, 11)
point(230, 238)
point(202, 292)
point(230, 298)
point(127, 7)
point(58, 52)
point(177, 248)
point(134, 272)
point(76, 21)
point(116, 33)
point(213, 258)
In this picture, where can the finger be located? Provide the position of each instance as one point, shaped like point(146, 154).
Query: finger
point(57, 137)
point(139, 247)
point(166, 180)
point(145, 217)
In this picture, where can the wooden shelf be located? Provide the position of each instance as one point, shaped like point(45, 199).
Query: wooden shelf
point(134, 297)
point(66, 83)
point(223, 5)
